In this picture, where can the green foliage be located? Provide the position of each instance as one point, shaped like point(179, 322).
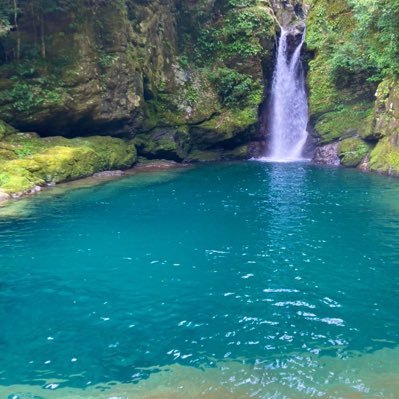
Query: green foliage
point(31, 90)
point(191, 95)
point(341, 94)
point(184, 61)
point(239, 34)
point(235, 88)
point(377, 27)
point(361, 36)
point(242, 3)
point(105, 60)
point(5, 19)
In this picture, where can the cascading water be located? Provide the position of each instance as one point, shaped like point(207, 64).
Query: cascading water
point(289, 104)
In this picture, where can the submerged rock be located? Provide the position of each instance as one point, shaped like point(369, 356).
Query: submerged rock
point(109, 173)
point(158, 164)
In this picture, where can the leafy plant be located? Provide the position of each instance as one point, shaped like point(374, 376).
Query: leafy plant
point(234, 88)
point(238, 34)
point(105, 59)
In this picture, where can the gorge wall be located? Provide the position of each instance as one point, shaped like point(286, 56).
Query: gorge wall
point(171, 79)
point(168, 79)
point(353, 85)
point(185, 80)
point(181, 77)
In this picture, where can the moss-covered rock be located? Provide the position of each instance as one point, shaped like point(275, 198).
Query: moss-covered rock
point(204, 156)
point(350, 120)
point(5, 129)
point(241, 152)
point(352, 151)
point(38, 161)
point(233, 124)
point(134, 67)
point(341, 100)
point(344, 103)
point(163, 143)
point(386, 114)
point(385, 157)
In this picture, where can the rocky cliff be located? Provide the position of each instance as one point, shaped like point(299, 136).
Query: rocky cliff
point(172, 79)
point(180, 76)
point(353, 101)
point(184, 80)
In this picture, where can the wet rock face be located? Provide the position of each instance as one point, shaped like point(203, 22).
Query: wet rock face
point(386, 115)
point(353, 151)
point(132, 67)
point(348, 113)
point(290, 12)
point(384, 158)
point(327, 155)
point(293, 41)
point(105, 54)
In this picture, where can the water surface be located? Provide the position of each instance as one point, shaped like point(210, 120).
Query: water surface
point(224, 281)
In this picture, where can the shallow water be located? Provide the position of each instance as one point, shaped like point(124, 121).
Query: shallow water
point(223, 281)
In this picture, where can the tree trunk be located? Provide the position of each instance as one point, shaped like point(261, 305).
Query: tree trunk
point(18, 49)
point(34, 24)
point(42, 36)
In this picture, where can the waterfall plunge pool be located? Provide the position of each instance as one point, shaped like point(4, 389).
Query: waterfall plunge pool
point(242, 280)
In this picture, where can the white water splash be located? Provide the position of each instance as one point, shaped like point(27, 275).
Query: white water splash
point(289, 106)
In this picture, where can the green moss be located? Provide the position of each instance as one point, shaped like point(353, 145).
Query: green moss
point(323, 94)
point(204, 156)
point(163, 143)
point(224, 127)
point(15, 177)
point(352, 151)
point(346, 122)
point(231, 121)
point(385, 158)
point(113, 153)
point(6, 129)
point(239, 33)
point(340, 94)
point(163, 110)
point(386, 118)
point(238, 153)
point(57, 159)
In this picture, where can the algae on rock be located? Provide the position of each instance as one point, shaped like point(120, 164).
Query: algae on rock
point(352, 151)
point(32, 161)
point(132, 67)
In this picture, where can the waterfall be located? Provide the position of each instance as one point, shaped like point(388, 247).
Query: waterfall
point(289, 104)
